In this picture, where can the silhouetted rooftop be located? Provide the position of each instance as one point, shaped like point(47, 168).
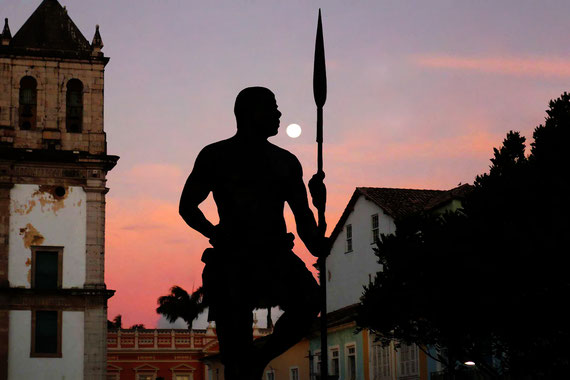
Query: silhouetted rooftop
point(49, 31)
point(49, 27)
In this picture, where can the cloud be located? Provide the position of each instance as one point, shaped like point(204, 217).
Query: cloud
point(519, 66)
point(358, 150)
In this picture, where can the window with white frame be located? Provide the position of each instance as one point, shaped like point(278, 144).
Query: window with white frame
point(335, 363)
point(294, 373)
point(270, 375)
point(351, 362)
point(381, 356)
point(316, 371)
point(408, 360)
point(375, 228)
point(348, 238)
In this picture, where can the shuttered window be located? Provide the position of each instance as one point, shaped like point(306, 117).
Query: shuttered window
point(46, 333)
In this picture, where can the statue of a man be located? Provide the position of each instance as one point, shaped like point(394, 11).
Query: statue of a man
point(251, 264)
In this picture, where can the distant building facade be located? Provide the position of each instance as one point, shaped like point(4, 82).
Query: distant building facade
point(214, 369)
point(53, 167)
point(351, 265)
point(151, 354)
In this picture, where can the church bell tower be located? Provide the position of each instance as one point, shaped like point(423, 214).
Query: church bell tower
point(53, 167)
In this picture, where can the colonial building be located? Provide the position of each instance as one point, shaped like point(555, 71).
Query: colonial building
point(352, 264)
point(53, 165)
point(168, 354)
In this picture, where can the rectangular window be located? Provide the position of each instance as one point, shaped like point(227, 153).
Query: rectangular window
point(335, 364)
point(47, 267)
point(270, 375)
point(351, 362)
point(408, 360)
point(144, 376)
point(382, 357)
point(46, 333)
point(294, 374)
point(317, 365)
point(375, 228)
point(349, 238)
point(181, 377)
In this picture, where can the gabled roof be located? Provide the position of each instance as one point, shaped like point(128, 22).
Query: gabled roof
point(399, 203)
point(146, 367)
point(183, 367)
point(343, 316)
point(444, 197)
point(113, 368)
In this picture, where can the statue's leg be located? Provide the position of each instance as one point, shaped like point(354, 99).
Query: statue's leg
point(235, 336)
point(300, 303)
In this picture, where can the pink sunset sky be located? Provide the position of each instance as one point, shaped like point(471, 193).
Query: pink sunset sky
point(419, 92)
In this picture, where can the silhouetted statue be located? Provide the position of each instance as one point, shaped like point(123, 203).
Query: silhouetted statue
point(251, 264)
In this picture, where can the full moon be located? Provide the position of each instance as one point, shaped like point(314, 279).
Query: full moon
point(294, 130)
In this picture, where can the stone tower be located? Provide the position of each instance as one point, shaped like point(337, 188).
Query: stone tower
point(53, 167)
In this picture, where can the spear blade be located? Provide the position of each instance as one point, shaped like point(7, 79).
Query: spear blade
point(320, 88)
point(320, 71)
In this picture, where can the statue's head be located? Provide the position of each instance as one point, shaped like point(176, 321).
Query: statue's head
point(256, 112)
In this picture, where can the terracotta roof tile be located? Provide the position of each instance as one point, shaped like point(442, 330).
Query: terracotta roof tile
point(399, 203)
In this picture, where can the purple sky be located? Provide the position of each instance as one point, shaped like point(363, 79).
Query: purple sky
point(419, 92)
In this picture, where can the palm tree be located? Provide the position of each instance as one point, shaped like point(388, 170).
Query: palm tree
point(179, 304)
point(116, 323)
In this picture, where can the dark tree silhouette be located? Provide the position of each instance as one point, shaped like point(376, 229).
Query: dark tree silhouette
point(179, 304)
point(137, 326)
point(116, 323)
point(487, 282)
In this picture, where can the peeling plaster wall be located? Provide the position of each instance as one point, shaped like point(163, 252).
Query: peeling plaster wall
point(349, 271)
point(39, 217)
point(22, 366)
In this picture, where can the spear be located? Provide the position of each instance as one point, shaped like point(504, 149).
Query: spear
point(320, 94)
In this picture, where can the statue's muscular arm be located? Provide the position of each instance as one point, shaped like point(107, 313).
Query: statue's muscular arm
point(196, 190)
point(304, 218)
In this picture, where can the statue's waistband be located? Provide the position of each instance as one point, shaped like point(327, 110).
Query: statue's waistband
point(239, 247)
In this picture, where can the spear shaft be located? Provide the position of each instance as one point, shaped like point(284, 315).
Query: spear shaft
point(320, 94)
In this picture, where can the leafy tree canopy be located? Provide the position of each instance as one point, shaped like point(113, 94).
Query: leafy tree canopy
point(488, 282)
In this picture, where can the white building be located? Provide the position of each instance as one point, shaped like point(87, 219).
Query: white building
point(53, 166)
point(352, 264)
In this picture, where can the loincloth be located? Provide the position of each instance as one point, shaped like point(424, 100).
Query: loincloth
point(254, 277)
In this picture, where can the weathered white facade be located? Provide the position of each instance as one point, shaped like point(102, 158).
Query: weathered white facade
point(53, 167)
point(22, 366)
point(348, 271)
point(40, 218)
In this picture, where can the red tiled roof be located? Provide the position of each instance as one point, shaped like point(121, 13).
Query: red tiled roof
point(399, 203)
